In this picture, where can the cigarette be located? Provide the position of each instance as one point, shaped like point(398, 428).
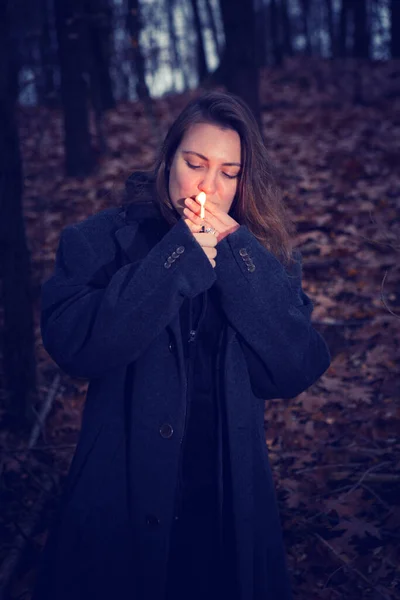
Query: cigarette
point(202, 199)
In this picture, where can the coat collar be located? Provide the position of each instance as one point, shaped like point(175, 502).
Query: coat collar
point(133, 215)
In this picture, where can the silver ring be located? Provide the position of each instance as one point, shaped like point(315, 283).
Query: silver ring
point(208, 230)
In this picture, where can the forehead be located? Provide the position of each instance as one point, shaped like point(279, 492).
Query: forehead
point(214, 142)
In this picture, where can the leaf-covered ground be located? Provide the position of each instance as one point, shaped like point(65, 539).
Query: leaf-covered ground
point(334, 129)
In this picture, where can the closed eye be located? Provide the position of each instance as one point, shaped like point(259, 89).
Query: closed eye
point(192, 166)
point(199, 167)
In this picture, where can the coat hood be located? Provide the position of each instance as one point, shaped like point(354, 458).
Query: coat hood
point(140, 193)
point(142, 211)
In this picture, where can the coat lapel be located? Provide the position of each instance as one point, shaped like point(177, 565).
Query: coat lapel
point(125, 237)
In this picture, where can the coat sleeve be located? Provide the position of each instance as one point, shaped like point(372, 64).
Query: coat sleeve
point(91, 323)
point(272, 315)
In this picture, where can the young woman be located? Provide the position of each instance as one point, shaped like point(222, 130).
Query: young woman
point(184, 326)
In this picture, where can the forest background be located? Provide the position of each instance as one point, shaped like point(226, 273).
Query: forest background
point(88, 88)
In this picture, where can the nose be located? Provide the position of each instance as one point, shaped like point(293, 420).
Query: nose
point(208, 184)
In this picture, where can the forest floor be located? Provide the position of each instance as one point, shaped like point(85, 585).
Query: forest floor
point(334, 131)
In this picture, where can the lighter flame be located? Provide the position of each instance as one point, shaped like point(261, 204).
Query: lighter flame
point(202, 199)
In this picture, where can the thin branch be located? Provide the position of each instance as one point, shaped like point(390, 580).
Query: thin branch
point(366, 475)
point(12, 559)
point(37, 448)
point(45, 409)
point(383, 298)
point(347, 563)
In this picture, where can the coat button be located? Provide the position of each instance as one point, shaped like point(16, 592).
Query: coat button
point(167, 265)
point(152, 521)
point(166, 431)
point(171, 347)
point(243, 252)
point(251, 268)
point(180, 249)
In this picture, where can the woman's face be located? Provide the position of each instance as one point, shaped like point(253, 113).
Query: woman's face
point(207, 160)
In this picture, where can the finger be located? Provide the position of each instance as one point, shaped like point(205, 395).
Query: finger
point(193, 210)
point(192, 216)
point(198, 221)
point(209, 207)
point(193, 228)
point(208, 240)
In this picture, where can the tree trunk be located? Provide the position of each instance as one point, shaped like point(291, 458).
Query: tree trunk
point(262, 35)
point(134, 26)
point(213, 26)
point(395, 29)
point(238, 68)
point(305, 15)
point(70, 27)
point(361, 40)
point(18, 340)
point(286, 29)
point(275, 34)
point(343, 30)
point(173, 42)
point(47, 88)
point(331, 29)
point(201, 54)
point(99, 20)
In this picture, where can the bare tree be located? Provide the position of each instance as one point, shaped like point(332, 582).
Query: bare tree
point(262, 34)
point(343, 30)
point(99, 20)
point(213, 26)
point(134, 26)
point(305, 16)
point(201, 54)
point(47, 87)
point(331, 28)
point(18, 340)
point(286, 29)
point(361, 31)
point(173, 41)
point(395, 28)
point(70, 27)
point(274, 21)
point(238, 68)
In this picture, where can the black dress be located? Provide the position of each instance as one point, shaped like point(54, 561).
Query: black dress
point(201, 565)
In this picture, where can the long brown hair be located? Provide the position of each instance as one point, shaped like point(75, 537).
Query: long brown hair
point(258, 202)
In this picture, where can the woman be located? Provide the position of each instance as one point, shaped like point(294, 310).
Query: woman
point(183, 332)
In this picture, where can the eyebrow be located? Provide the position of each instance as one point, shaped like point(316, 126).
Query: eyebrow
point(226, 164)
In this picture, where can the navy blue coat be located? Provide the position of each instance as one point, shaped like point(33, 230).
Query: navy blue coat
point(110, 313)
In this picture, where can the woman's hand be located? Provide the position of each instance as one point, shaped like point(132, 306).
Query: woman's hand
point(213, 217)
point(207, 241)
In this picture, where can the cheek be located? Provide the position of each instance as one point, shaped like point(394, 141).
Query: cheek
point(184, 181)
point(230, 192)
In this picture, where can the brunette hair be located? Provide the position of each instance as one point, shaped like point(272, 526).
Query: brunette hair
point(258, 202)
